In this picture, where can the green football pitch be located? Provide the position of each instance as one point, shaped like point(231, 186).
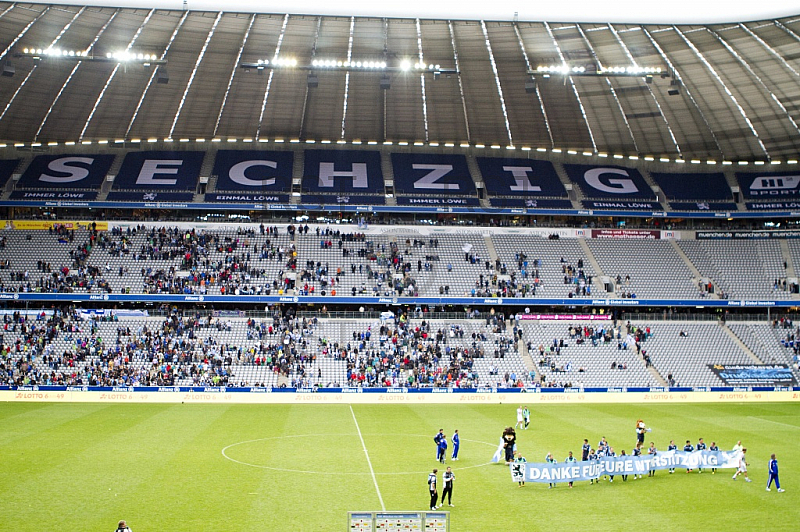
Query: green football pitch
point(170, 467)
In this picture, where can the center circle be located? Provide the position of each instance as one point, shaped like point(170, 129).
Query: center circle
point(262, 453)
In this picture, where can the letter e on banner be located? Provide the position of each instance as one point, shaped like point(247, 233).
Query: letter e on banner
point(151, 167)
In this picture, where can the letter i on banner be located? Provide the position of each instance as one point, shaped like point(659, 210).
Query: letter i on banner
point(521, 179)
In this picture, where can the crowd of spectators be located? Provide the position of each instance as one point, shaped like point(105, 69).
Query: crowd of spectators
point(503, 281)
point(268, 261)
point(400, 353)
point(382, 268)
point(171, 260)
point(626, 336)
point(62, 348)
point(791, 338)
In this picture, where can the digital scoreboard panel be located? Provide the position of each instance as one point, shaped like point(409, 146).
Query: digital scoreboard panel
point(398, 521)
point(360, 522)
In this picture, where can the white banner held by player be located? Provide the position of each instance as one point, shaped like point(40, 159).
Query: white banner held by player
point(623, 465)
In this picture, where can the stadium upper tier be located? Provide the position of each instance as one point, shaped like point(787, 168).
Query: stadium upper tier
point(88, 74)
point(393, 351)
point(313, 179)
point(383, 263)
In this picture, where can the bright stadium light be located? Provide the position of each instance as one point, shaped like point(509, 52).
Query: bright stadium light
point(591, 70)
point(362, 65)
point(125, 56)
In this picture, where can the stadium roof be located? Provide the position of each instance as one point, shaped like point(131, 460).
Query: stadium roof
point(732, 90)
point(617, 11)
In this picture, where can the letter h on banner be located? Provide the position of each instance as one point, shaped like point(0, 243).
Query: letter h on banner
point(358, 173)
point(342, 171)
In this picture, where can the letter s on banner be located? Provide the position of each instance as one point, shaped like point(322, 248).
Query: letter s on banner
point(76, 173)
point(237, 173)
point(621, 186)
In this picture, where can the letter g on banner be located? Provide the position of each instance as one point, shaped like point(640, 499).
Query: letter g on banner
point(614, 185)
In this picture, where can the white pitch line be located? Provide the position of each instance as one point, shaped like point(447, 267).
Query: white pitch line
point(795, 427)
point(369, 462)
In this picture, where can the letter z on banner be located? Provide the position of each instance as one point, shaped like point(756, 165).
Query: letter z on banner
point(419, 173)
point(66, 171)
point(609, 181)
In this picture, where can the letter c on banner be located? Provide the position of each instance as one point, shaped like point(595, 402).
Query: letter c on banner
point(237, 175)
point(620, 186)
point(76, 173)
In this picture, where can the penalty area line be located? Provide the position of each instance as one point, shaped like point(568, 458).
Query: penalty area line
point(795, 427)
point(369, 462)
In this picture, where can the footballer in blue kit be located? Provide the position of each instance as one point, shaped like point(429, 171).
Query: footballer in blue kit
point(456, 443)
point(672, 447)
point(688, 448)
point(713, 447)
point(773, 474)
point(442, 446)
point(637, 451)
point(701, 446)
point(437, 440)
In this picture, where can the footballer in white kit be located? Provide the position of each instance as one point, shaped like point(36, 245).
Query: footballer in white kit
point(520, 418)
